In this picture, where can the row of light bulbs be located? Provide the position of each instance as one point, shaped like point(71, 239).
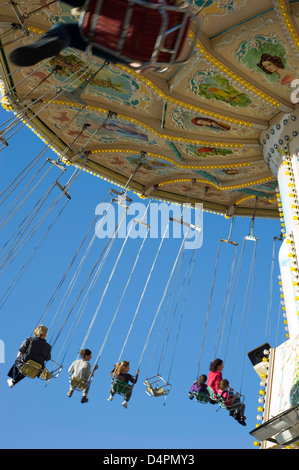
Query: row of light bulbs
point(287, 25)
point(294, 204)
point(289, 237)
point(207, 57)
point(262, 392)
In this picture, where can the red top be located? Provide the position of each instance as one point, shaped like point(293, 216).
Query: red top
point(227, 397)
point(213, 379)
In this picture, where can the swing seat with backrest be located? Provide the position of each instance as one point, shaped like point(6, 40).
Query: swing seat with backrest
point(201, 397)
point(120, 387)
point(156, 386)
point(212, 395)
point(149, 33)
point(79, 384)
point(217, 399)
point(234, 406)
point(32, 369)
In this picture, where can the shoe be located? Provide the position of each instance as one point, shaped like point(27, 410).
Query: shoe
point(84, 400)
point(45, 47)
point(242, 421)
point(110, 398)
point(124, 404)
point(70, 393)
point(10, 383)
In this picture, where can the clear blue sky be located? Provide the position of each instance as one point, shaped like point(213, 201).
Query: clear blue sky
point(36, 416)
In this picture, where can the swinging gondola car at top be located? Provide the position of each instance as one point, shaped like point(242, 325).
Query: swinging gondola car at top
point(218, 117)
point(204, 119)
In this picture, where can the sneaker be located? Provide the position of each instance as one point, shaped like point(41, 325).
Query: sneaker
point(84, 400)
point(110, 398)
point(124, 404)
point(10, 383)
point(45, 47)
point(70, 393)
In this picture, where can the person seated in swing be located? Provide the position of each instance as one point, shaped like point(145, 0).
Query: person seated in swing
point(231, 401)
point(215, 374)
point(58, 38)
point(199, 386)
point(33, 348)
point(81, 369)
point(120, 372)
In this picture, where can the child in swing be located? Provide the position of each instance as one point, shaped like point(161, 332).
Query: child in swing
point(120, 372)
point(198, 386)
point(81, 369)
point(232, 401)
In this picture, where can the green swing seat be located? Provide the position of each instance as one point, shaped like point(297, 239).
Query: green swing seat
point(201, 397)
point(120, 387)
point(212, 394)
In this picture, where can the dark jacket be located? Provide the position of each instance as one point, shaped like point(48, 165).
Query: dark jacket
point(37, 349)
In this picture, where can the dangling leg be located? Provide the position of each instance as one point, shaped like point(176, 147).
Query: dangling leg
point(15, 376)
point(237, 411)
point(241, 418)
point(59, 37)
point(127, 398)
point(112, 393)
point(70, 392)
point(84, 398)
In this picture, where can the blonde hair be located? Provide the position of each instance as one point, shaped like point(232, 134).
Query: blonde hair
point(40, 330)
point(120, 366)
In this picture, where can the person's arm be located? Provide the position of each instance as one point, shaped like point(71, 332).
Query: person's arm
point(229, 398)
point(71, 368)
point(48, 356)
point(95, 367)
point(134, 379)
point(24, 346)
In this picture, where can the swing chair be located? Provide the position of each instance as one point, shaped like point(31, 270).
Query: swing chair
point(201, 397)
point(79, 384)
point(156, 386)
point(217, 399)
point(140, 33)
point(231, 407)
point(120, 387)
point(32, 369)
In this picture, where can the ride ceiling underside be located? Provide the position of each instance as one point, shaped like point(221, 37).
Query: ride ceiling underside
point(195, 127)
